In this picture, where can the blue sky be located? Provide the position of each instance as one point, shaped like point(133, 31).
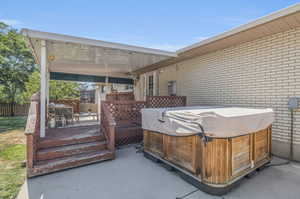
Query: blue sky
point(163, 24)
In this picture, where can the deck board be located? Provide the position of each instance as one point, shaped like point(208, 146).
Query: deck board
point(71, 132)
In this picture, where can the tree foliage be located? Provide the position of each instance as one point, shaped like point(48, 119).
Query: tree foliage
point(58, 89)
point(16, 64)
point(64, 90)
point(19, 76)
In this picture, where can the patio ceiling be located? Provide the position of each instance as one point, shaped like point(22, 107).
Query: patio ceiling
point(72, 58)
point(75, 55)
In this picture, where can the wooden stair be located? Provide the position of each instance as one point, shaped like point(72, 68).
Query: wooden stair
point(55, 154)
point(69, 150)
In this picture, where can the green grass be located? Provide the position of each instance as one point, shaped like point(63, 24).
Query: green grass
point(13, 153)
point(11, 123)
point(12, 156)
point(12, 171)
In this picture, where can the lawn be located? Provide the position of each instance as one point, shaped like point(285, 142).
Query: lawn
point(12, 156)
point(11, 123)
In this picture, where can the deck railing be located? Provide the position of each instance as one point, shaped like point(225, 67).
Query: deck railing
point(108, 126)
point(32, 129)
point(122, 119)
point(125, 110)
point(127, 118)
point(165, 101)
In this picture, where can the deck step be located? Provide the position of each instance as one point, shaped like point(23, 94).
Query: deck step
point(49, 166)
point(76, 139)
point(69, 150)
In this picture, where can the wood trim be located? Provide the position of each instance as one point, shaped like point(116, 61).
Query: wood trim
point(92, 42)
point(229, 159)
point(254, 146)
point(220, 161)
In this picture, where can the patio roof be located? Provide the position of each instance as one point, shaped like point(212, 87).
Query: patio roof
point(72, 58)
point(75, 55)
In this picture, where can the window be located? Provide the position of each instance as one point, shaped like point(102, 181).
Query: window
point(172, 88)
point(150, 86)
point(149, 83)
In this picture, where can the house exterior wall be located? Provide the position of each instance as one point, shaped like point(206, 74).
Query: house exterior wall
point(261, 73)
point(165, 75)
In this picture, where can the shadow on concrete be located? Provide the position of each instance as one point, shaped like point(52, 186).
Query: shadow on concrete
point(131, 176)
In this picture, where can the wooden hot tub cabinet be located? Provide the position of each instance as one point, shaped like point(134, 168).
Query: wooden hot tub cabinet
point(215, 167)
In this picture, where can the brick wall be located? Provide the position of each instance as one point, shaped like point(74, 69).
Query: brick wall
point(260, 73)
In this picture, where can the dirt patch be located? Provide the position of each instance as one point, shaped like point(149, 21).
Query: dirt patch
point(12, 137)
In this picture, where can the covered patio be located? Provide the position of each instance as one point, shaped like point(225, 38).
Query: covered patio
point(69, 58)
point(63, 57)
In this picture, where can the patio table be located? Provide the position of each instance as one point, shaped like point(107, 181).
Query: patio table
point(61, 112)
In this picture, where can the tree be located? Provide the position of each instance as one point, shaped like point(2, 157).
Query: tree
point(58, 89)
point(64, 90)
point(16, 64)
point(31, 86)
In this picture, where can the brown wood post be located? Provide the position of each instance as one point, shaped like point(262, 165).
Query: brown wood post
point(111, 144)
point(30, 150)
point(32, 131)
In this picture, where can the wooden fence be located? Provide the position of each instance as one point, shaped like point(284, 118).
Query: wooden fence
point(7, 110)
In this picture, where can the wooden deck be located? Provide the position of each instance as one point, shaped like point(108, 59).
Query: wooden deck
point(71, 132)
point(68, 147)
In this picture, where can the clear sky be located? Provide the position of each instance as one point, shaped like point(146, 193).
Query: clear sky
point(164, 24)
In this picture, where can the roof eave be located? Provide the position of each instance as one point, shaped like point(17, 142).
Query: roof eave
point(85, 41)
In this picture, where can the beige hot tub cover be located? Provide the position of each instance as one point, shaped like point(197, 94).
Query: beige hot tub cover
point(216, 121)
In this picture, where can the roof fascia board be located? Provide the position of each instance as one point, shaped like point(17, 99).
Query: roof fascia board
point(72, 39)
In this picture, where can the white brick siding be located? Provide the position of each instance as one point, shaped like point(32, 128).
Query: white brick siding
point(260, 73)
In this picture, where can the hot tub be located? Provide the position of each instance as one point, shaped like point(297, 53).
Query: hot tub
point(212, 147)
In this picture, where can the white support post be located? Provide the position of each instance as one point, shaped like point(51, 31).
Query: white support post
point(145, 86)
point(98, 100)
point(155, 83)
point(47, 87)
point(43, 88)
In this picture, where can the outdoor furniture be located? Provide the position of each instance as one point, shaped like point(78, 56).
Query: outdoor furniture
point(63, 114)
point(88, 115)
point(76, 117)
point(74, 103)
point(94, 116)
point(62, 148)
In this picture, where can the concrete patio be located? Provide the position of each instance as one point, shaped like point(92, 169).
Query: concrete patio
point(132, 176)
